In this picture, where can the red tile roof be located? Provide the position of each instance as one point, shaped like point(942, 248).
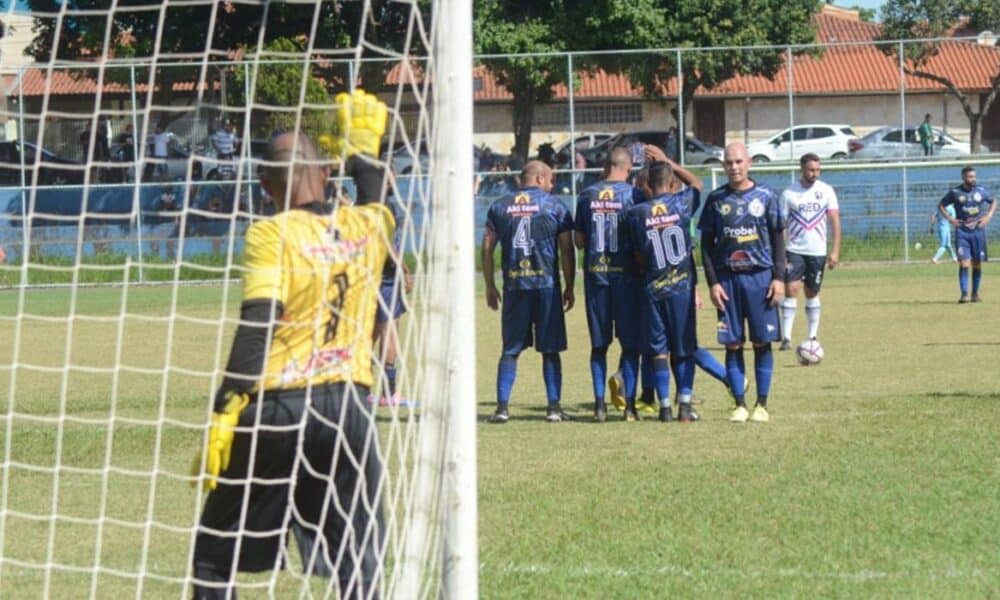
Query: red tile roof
point(854, 65)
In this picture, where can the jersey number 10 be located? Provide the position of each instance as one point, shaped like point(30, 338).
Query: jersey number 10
point(668, 245)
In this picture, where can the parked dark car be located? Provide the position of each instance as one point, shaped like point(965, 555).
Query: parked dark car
point(53, 169)
point(695, 150)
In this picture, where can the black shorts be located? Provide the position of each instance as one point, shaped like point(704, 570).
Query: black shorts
point(337, 472)
point(802, 267)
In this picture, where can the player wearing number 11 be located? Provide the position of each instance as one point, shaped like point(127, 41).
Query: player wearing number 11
point(609, 281)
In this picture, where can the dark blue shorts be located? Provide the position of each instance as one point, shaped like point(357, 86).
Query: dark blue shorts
point(668, 325)
point(971, 245)
point(390, 304)
point(748, 303)
point(613, 310)
point(533, 318)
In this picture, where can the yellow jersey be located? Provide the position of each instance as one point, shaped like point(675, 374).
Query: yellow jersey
point(325, 269)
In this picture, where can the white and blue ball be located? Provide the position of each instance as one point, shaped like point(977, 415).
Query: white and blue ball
point(809, 353)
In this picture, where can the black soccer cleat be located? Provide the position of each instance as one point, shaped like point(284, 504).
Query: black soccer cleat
point(976, 298)
point(687, 414)
point(555, 414)
point(600, 415)
point(785, 345)
point(500, 416)
point(666, 414)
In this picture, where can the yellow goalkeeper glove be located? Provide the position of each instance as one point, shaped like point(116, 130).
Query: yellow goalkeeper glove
point(360, 124)
point(221, 432)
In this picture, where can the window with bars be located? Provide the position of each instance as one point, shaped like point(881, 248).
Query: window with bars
point(597, 114)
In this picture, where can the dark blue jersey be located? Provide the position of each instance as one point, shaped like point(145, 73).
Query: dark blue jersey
point(742, 225)
point(660, 232)
point(600, 216)
point(971, 205)
point(527, 225)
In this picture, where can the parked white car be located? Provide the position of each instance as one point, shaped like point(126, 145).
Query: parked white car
point(887, 142)
point(825, 141)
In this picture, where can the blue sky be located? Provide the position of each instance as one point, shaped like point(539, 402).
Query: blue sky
point(875, 4)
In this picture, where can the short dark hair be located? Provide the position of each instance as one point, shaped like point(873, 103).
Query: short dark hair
point(927, 116)
point(968, 170)
point(807, 158)
point(660, 174)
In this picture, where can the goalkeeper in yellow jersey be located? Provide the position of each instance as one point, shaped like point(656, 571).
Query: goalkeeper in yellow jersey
point(293, 442)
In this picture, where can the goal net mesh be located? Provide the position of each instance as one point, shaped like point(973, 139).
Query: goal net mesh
point(122, 229)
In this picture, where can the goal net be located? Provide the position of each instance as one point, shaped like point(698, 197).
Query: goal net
point(131, 135)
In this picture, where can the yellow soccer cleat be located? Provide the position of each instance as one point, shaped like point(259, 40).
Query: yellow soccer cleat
point(616, 390)
point(740, 414)
point(760, 415)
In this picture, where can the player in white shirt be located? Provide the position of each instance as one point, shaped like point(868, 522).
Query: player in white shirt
point(807, 205)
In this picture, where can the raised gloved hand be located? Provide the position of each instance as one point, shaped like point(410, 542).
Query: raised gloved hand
point(360, 124)
point(215, 457)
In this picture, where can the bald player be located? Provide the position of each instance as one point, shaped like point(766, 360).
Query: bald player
point(610, 284)
point(743, 253)
point(535, 233)
point(293, 439)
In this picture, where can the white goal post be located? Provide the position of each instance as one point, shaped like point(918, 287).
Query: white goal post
point(120, 282)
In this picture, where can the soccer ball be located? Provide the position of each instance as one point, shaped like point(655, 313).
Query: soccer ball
point(809, 353)
point(918, 246)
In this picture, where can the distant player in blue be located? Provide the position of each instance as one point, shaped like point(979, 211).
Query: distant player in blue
point(942, 227)
point(535, 233)
point(743, 252)
point(609, 281)
point(660, 233)
point(974, 208)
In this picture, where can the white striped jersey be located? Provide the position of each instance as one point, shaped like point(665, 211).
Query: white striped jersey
point(804, 210)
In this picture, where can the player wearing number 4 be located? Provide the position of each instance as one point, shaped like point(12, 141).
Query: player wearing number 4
point(535, 233)
point(974, 209)
point(609, 280)
point(807, 206)
point(743, 252)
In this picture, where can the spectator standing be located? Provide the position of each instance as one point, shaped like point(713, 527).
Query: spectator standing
point(224, 141)
point(158, 149)
point(926, 135)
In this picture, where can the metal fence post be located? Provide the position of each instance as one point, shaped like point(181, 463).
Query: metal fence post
point(902, 131)
point(681, 129)
point(791, 102)
point(572, 122)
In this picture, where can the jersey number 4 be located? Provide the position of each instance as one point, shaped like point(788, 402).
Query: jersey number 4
point(668, 245)
point(522, 235)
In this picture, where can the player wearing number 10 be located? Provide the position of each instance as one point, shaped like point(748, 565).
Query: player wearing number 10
point(609, 280)
point(535, 234)
point(660, 234)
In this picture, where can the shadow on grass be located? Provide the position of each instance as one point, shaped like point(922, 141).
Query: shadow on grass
point(961, 343)
point(962, 396)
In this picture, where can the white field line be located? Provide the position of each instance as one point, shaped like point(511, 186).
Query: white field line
point(582, 571)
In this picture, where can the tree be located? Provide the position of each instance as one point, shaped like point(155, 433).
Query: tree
point(918, 19)
point(721, 24)
point(280, 84)
point(544, 29)
point(154, 32)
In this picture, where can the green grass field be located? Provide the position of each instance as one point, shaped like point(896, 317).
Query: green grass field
point(877, 476)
